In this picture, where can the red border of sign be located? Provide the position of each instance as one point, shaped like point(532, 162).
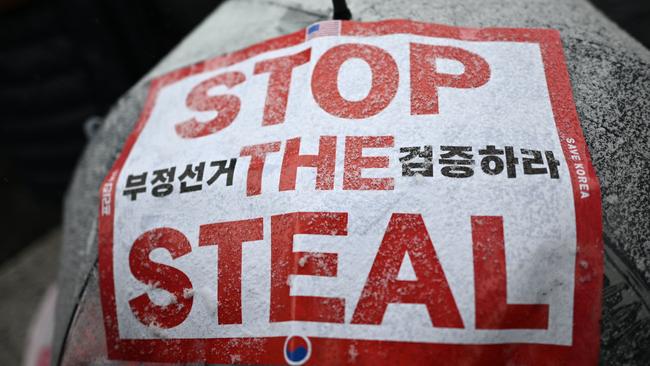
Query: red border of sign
point(269, 350)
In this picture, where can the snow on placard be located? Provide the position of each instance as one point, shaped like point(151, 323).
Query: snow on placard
point(382, 191)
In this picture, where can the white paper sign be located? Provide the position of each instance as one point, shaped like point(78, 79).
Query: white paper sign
point(397, 185)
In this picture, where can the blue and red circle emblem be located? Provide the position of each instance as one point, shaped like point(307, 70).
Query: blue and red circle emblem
point(297, 350)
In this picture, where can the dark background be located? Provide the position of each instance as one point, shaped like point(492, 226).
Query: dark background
point(64, 62)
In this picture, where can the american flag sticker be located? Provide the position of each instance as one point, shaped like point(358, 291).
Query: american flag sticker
point(324, 28)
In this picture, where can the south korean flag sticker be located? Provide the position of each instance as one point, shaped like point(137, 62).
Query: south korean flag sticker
point(297, 350)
